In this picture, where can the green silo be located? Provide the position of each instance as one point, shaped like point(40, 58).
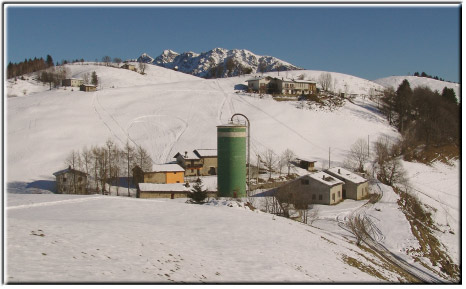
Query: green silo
point(231, 149)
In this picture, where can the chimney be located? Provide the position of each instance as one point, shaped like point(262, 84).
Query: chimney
point(323, 177)
point(185, 154)
point(339, 171)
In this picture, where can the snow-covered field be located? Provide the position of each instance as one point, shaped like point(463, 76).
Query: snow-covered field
point(114, 239)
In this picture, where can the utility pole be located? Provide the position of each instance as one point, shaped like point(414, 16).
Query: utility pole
point(329, 157)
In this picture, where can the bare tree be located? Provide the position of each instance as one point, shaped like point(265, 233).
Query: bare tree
point(359, 226)
point(142, 158)
point(106, 59)
point(269, 161)
point(117, 60)
point(86, 78)
point(386, 164)
point(358, 155)
point(288, 156)
point(142, 66)
point(129, 156)
point(325, 80)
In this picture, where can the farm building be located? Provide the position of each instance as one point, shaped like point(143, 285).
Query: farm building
point(200, 162)
point(190, 162)
point(87, 87)
point(355, 187)
point(317, 188)
point(171, 191)
point(128, 66)
point(209, 161)
point(306, 164)
point(165, 174)
point(71, 181)
point(282, 86)
point(73, 82)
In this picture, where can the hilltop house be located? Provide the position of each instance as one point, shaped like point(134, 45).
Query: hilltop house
point(317, 188)
point(165, 174)
point(281, 86)
point(71, 181)
point(128, 66)
point(73, 82)
point(200, 162)
point(87, 87)
point(355, 186)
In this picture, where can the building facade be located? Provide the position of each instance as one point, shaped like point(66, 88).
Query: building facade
point(165, 174)
point(355, 187)
point(274, 85)
point(71, 181)
point(73, 82)
point(87, 87)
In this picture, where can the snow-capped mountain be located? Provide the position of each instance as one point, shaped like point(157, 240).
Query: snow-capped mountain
point(218, 62)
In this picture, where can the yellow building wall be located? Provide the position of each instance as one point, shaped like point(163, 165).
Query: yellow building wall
point(174, 177)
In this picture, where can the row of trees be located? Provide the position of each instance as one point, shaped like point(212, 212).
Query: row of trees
point(423, 74)
point(421, 115)
point(109, 163)
point(28, 66)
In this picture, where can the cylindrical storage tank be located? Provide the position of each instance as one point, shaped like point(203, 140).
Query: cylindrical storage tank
point(231, 150)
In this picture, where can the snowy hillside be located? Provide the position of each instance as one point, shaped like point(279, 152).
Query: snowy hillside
point(201, 64)
point(414, 81)
point(103, 238)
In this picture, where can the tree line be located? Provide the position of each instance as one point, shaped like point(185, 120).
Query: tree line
point(108, 164)
point(28, 66)
point(423, 74)
point(422, 116)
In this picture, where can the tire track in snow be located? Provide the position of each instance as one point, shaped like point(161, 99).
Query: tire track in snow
point(78, 200)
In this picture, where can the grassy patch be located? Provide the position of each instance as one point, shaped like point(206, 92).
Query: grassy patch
point(430, 154)
point(363, 267)
point(422, 227)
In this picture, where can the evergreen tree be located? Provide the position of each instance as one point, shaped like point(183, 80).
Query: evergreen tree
point(449, 95)
point(49, 61)
point(94, 79)
point(403, 100)
point(197, 194)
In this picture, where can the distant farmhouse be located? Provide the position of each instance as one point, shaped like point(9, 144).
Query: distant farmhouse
point(317, 188)
point(200, 162)
point(165, 174)
point(355, 187)
point(128, 66)
point(87, 87)
point(73, 82)
point(274, 85)
point(71, 181)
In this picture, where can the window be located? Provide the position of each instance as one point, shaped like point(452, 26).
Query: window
point(305, 182)
point(339, 194)
point(192, 171)
point(313, 196)
point(64, 179)
point(333, 197)
point(320, 197)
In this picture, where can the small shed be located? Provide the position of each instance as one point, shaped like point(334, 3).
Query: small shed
point(71, 181)
point(307, 164)
point(171, 191)
point(165, 174)
point(87, 87)
point(355, 187)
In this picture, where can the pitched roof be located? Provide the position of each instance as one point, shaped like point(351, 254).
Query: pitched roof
point(206, 152)
point(187, 155)
point(167, 168)
point(149, 187)
point(326, 179)
point(69, 170)
point(347, 175)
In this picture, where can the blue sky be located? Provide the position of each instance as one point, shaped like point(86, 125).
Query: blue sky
point(369, 42)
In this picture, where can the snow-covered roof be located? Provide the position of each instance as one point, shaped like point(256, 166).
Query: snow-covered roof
point(326, 179)
point(149, 187)
point(167, 168)
point(306, 160)
point(206, 152)
point(188, 155)
point(256, 78)
point(347, 175)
